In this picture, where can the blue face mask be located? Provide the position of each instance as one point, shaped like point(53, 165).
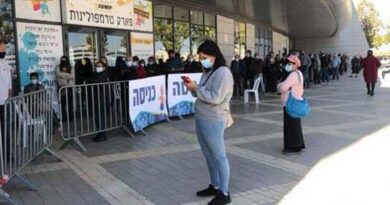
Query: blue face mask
point(288, 67)
point(206, 63)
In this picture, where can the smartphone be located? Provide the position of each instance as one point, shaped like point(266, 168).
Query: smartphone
point(186, 79)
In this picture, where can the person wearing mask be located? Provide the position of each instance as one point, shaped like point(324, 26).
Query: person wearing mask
point(293, 136)
point(248, 62)
point(316, 69)
point(65, 72)
point(34, 85)
point(192, 66)
point(101, 100)
point(370, 72)
point(115, 72)
point(255, 69)
point(152, 69)
point(83, 70)
point(238, 69)
point(212, 114)
point(104, 61)
point(355, 66)
point(174, 61)
point(141, 73)
point(5, 85)
point(129, 72)
point(306, 63)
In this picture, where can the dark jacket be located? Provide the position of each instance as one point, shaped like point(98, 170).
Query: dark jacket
point(256, 68)
point(152, 70)
point(128, 73)
point(248, 62)
point(192, 67)
point(238, 67)
point(32, 88)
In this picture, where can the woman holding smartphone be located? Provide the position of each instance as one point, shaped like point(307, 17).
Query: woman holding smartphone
point(212, 112)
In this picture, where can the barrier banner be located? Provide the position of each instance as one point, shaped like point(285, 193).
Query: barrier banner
point(147, 103)
point(180, 100)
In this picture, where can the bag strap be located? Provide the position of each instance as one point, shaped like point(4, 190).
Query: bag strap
point(207, 79)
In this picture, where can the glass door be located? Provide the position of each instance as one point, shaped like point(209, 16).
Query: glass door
point(83, 43)
point(115, 44)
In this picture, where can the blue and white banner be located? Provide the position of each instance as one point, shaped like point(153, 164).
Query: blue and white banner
point(147, 103)
point(180, 100)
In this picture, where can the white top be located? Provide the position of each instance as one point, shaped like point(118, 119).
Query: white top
point(5, 80)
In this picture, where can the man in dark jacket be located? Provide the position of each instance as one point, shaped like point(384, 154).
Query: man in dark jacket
point(255, 69)
point(34, 85)
point(238, 69)
point(248, 62)
point(101, 100)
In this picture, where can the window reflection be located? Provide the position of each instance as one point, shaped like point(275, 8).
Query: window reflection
point(115, 46)
point(82, 45)
point(5, 8)
point(163, 43)
point(7, 34)
point(182, 45)
point(163, 26)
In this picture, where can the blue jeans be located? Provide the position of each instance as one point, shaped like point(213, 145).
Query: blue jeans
point(211, 140)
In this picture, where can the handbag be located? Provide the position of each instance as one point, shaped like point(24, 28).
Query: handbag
point(297, 108)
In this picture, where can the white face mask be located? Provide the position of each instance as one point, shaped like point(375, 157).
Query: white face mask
point(129, 63)
point(135, 63)
point(35, 81)
point(99, 69)
point(289, 67)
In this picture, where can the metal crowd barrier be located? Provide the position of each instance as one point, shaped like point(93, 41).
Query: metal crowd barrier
point(27, 132)
point(92, 108)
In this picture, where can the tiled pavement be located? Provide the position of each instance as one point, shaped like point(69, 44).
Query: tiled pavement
point(166, 166)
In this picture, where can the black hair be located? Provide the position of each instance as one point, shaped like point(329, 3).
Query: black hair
point(65, 64)
point(119, 62)
point(249, 51)
point(34, 74)
point(135, 58)
point(151, 58)
point(209, 47)
point(171, 52)
point(142, 61)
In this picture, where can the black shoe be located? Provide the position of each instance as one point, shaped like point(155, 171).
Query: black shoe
point(372, 93)
point(210, 191)
point(220, 199)
point(368, 93)
point(291, 152)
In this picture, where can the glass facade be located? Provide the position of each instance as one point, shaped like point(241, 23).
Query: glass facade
point(239, 39)
point(181, 30)
point(263, 41)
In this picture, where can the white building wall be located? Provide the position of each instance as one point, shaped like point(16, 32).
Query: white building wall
point(250, 37)
point(225, 36)
point(280, 41)
point(350, 39)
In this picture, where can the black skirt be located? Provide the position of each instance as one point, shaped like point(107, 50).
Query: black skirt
point(293, 136)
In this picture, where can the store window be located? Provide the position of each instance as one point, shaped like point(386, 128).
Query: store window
point(115, 45)
point(83, 44)
point(6, 9)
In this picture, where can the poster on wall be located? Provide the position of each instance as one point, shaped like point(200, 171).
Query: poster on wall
point(142, 45)
point(147, 103)
point(40, 49)
point(143, 15)
point(180, 100)
point(44, 10)
point(120, 14)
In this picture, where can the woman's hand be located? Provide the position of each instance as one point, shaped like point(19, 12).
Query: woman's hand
point(191, 86)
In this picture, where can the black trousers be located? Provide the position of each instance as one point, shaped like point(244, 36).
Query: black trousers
point(293, 135)
point(370, 87)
